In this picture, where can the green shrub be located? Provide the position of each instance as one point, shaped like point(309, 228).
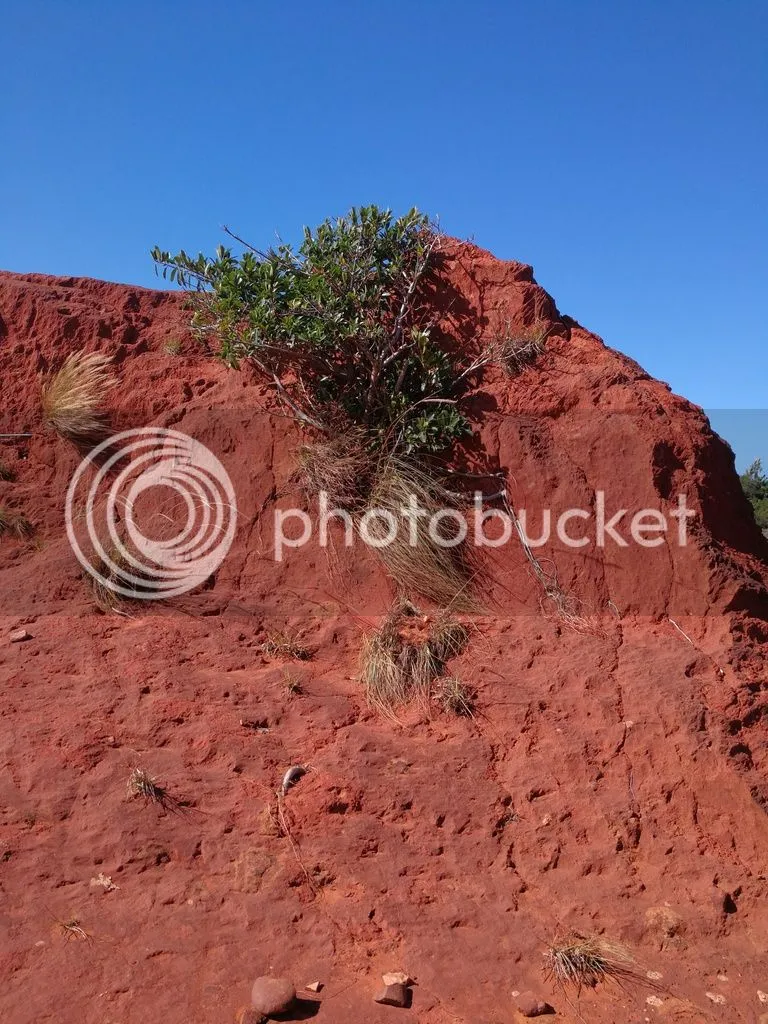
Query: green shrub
point(342, 326)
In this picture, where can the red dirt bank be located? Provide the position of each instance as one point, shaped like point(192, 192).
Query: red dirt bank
point(614, 779)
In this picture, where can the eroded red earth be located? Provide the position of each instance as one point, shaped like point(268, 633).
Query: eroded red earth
point(612, 780)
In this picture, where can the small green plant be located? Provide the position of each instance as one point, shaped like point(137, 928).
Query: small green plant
point(340, 327)
point(455, 697)
point(172, 347)
point(580, 960)
point(285, 644)
point(755, 485)
point(15, 524)
point(72, 398)
point(7, 473)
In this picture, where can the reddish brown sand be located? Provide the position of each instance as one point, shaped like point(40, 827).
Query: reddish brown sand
point(613, 779)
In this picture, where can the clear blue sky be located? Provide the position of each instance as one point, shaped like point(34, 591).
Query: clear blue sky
point(621, 148)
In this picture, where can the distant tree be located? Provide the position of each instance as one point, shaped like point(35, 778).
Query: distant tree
point(755, 484)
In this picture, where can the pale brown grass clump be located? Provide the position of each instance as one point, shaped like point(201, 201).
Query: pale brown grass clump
point(417, 561)
point(7, 472)
point(15, 524)
point(141, 783)
point(292, 683)
point(381, 671)
point(455, 697)
point(448, 638)
point(519, 348)
point(116, 572)
point(72, 397)
point(398, 666)
point(339, 467)
point(582, 960)
point(284, 644)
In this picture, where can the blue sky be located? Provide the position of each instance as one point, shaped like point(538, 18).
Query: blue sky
point(621, 148)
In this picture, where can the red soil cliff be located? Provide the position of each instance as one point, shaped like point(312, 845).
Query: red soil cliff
point(612, 780)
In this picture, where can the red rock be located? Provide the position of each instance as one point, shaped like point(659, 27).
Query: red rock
point(394, 995)
point(247, 1015)
point(396, 978)
point(554, 690)
point(530, 1005)
point(272, 996)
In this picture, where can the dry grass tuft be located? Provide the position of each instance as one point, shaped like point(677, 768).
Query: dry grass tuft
point(455, 697)
point(386, 685)
point(418, 562)
point(340, 468)
point(72, 929)
point(448, 638)
point(580, 960)
point(7, 473)
point(141, 783)
point(72, 397)
point(15, 524)
point(521, 347)
point(283, 644)
point(116, 572)
point(292, 683)
point(398, 666)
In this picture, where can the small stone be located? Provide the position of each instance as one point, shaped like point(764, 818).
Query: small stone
point(654, 1001)
point(394, 995)
point(715, 997)
point(396, 978)
point(762, 996)
point(530, 1005)
point(654, 975)
point(314, 986)
point(19, 636)
point(247, 1015)
point(105, 882)
point(272, 995)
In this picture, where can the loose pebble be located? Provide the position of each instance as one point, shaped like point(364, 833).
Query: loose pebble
point(272, 995)
point(394, 995)
point(715, 997)
point(105, 882)
point(396, 978)
point(531, 1005)
point(247, 1015)
point(18, 636)
point(654, 1001)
